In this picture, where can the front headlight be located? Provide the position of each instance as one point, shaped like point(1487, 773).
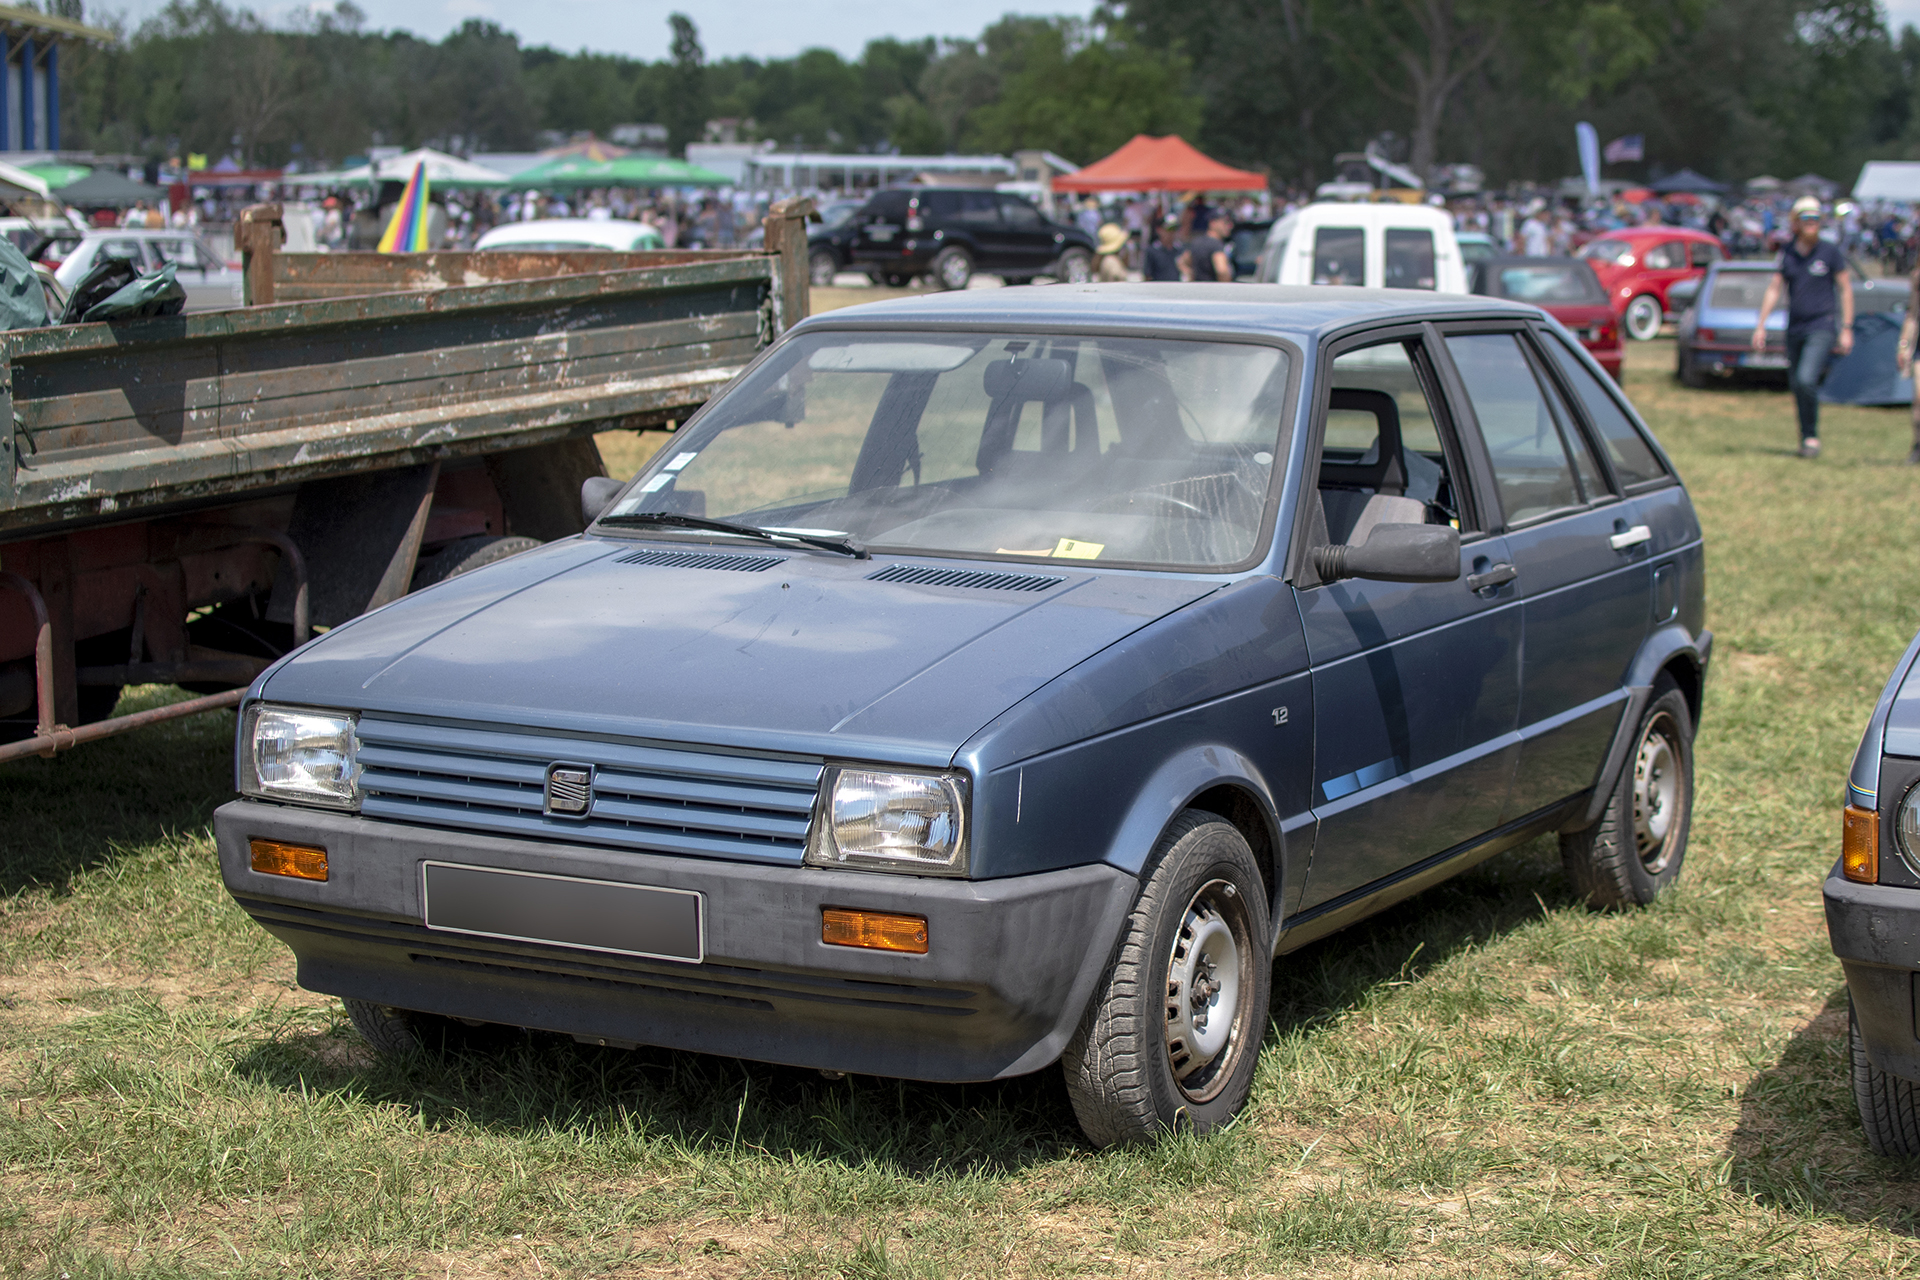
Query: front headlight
point(884, 821)
point(299, 754)
point(1906, 829)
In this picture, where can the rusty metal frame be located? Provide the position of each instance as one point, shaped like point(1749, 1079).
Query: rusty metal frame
point(64, 739)
point(42, 655)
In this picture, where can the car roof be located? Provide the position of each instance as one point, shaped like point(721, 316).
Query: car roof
point(1658, 233)
point(1301, 312)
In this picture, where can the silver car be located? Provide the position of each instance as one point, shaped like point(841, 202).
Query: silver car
point(210, 281)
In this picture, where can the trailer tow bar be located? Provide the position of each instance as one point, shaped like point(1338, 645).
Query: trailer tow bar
point(62, 739)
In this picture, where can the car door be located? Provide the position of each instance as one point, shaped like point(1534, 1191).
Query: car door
point(1582, 560)
point(1029, 237)
point(1415, 685)
point(879, 228)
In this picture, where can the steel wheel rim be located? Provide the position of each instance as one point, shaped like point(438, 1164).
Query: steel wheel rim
point(1209, 972)
point(1643, 318)
point(1078, 270)
point(1657, 795)
point(954, 272)
point(824, 269)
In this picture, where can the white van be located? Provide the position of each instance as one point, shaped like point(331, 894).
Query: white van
point(1380, 246)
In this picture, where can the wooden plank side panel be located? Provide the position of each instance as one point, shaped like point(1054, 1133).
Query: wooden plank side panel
point(301, 277)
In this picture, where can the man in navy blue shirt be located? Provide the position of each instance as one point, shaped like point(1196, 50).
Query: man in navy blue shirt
point(1813, 274)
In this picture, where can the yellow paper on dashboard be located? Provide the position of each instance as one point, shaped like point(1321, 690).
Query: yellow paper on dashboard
point(1069, 549)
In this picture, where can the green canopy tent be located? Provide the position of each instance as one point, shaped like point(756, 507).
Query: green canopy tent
point(58, 175)
point(621, 171)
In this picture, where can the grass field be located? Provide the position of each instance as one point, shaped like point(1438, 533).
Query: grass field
point(1485, 1081)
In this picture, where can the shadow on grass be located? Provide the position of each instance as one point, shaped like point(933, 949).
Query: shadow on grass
point(85, 807)
point(1799, 1148)
point(526, 1083)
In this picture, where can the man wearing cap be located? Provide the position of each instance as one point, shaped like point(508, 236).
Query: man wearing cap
point(1813, 273)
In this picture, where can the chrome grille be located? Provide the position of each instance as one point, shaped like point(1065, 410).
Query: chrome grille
point(663, 799)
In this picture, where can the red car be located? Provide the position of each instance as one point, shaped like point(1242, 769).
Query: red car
point(1638, 265)
point(1566, 289)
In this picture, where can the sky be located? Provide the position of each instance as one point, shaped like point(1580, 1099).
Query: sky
point(756, 28)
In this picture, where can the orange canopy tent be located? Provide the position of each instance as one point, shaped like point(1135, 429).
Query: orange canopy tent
point(1160, 164)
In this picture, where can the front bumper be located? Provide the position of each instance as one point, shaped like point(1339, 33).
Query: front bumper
point(1010, 966)
point(1875, 931)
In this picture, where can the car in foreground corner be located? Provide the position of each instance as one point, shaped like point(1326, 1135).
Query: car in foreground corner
point(993, 680)
point(1567, 290)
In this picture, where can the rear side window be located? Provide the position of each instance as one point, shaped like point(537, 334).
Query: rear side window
point(1340, 256)
point(1530, 461)
point(1019, 213)
point(1703, 254)
point(887, 204)
point(1409, 259)
point(1670, 256)
point(1633, 460)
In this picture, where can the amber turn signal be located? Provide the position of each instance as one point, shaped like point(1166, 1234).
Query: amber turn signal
point(301, 861)
point(876, 929)
point(1860, 844)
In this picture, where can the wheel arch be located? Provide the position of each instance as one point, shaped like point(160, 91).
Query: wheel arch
point(1213, 778)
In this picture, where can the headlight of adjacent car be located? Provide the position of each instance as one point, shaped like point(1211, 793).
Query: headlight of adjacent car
point(884, 821)
point(300, 754)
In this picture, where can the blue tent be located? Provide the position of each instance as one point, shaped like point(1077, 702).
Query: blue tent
point(1866, 375)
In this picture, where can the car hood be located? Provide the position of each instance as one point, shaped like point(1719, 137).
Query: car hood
point(796, 652)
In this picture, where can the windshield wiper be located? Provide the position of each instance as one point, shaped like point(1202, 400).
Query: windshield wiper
point(848, 546)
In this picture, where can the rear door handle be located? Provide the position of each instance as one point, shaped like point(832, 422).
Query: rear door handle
point(1630, 537)
point(1498, 576)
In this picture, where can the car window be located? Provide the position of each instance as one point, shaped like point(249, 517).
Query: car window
point(1703, 254)
point(1605, 250)
point(1593, 483)
point(1409, 259)
point(181, 252)
point(1634, 461)
point(1352, 470)
point(1739, 290)
point(888, 205)
point(1530, 464)
point(939, 204)
point(1670, 256)
point(977, 209)
point(127, 249)
point(1547, 282)
point(1019, 214)
point(1340, 255)
point(1139, 450)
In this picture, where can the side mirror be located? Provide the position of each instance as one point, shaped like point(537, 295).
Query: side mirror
point(595, 493)
point(1395, 553)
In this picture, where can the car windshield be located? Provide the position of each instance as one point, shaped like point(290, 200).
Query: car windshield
point(1739, 290)
point(1606, 251)
point(1542, 283)
point(1148, 451)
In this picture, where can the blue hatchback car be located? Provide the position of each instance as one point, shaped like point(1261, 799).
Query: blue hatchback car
point(996, 679)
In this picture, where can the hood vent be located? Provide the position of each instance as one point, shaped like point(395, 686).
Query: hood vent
point(972, 579)
point(701, 560)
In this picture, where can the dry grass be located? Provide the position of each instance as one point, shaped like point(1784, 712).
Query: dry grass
point(1487, 1080)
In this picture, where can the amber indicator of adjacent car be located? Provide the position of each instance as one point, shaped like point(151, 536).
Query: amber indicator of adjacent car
point(880, 930)
point(1860, 844)
point(277, 858)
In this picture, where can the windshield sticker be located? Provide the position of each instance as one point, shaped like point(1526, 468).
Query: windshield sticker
point(656, 484)
point(1068, 549)
point(682, 461)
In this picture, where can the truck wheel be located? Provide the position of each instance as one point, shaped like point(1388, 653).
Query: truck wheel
point(1172, 1034)
point(1643, 318)
point(822, 266)
point(1075, 267)
point(465, 555)
point(953, 268)
point(1635, 850)
point(1889, 1112)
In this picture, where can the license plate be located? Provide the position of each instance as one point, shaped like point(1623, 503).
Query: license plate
point(597, 915)
point(880, 235)
point(1767, 361)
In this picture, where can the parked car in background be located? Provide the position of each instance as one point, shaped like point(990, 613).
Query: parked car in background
point(948, 233)
point(211, 282)
point(991, 681)
point(1380, 246)
point(1873, 915)
point(572, 235)
point(1715, 334)
point(1475, 247)
point(1639, 265)
point(831, 215)
point(1567, 290)
point(1245, 245)
point(47, 240)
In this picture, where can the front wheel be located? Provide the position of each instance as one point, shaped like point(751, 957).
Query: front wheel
point(1172, 1034)
point(822, 266)
point(1889, 1110)
point(1634, 852)
point(953, 268)
point(1643, 318)
point(1075, 267)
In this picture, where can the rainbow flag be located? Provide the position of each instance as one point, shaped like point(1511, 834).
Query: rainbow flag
point(407, 233)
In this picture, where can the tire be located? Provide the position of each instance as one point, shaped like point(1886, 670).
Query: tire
point(1075, 267)
point(895, 281)
point(1889, 1110)
point(1202, 899)
point(822, 267)
point(1688, 371)
point(952, 268)
point(401, 1033)
point(1643, 319)
point(466, 555)
point(1635, 850)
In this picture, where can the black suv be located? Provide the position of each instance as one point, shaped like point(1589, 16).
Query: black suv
point(948, 233)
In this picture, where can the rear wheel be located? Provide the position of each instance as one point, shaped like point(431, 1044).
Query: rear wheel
point(1172, 1034)
point(1634, 851)
point(822, 266)
point(466, 555)
point(1075, 267)
point(1889, 1111)
point(1688, 370)
point(953, 268)
point(1643, 318)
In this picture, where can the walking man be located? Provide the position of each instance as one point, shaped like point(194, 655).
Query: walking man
point(1813, 274)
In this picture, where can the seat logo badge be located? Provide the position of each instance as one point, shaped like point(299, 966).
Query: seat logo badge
point(569, 790)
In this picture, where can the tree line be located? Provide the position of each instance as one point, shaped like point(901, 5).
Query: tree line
point(1732, 88)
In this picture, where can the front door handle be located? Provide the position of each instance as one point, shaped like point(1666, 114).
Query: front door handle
point(1498, 576)
point(1630, 537)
